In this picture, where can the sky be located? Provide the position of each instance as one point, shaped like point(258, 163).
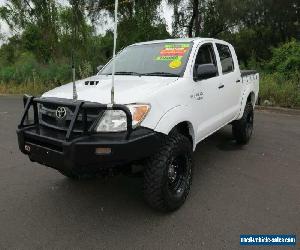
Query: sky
point(167, 12)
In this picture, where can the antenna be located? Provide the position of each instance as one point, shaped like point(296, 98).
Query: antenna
point(114, 53)
point(75, 96)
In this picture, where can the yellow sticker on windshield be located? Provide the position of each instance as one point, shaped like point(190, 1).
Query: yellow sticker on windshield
point(175, 64)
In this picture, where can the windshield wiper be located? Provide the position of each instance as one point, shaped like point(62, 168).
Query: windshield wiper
point(161, 74)
point(127, 73)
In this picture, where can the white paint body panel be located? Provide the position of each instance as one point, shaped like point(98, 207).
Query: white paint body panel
point(174, 100)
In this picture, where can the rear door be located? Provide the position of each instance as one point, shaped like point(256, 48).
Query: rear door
point(207, 97)
point(230, 81)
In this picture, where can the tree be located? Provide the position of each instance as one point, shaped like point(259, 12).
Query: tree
point(194, 24)
point(139, 20)
point(253, 26)
point(38, 20)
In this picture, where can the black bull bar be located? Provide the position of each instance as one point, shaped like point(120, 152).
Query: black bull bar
point(80, 107)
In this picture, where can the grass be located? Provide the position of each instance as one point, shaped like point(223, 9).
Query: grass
point(278, 91)
point(35, 89)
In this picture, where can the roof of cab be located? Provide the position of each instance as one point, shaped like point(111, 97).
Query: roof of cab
point(180, 40)
point(176, 40)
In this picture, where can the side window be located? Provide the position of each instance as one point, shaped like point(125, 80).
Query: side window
point(226, 58)
point(206, 55)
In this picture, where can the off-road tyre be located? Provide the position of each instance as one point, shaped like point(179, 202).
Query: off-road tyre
point(163, 190)
point(242, 129)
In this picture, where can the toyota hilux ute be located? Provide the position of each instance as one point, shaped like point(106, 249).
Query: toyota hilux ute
point(169, 96)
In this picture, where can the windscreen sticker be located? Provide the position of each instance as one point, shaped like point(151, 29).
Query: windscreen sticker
point(173, 52)
point(168, 58)
point(177, 45)
point(175, 64)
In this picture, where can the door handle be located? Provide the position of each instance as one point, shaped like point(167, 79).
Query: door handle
point(221, 86)
point(238, 81)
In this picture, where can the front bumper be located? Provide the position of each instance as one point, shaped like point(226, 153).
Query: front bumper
point(49, 147)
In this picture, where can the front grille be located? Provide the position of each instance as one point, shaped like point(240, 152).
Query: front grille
point(48, 117)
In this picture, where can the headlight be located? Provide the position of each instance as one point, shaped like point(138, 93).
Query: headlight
point(116, 121)
point(112, 121)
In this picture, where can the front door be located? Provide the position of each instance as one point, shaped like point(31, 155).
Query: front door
point(207, 97)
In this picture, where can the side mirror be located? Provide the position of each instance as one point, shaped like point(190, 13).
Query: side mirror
point(205, 71)
point(100, 67)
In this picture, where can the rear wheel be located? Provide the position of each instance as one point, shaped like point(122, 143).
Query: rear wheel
point(242, 129)
point(168, 174)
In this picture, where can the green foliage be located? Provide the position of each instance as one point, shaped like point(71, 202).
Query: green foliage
point(85, 69)
point(280, 91)
point(252, 26)
point(40, 54)
point(251, 43)
point(127, 34)
point(280, 83)
point(286, 59)
point(20, 70)
point(31, 88)
point(37, 19)
point(27, 69)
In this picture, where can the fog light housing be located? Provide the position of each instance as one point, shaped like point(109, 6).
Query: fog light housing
point(103, 151)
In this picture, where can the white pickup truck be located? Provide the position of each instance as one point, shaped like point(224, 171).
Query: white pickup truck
point(169, 96)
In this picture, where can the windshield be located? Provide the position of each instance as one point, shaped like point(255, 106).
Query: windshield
point(161, 59)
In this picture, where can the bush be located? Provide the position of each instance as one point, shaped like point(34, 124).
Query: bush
point(280, 80)
point(27, 75)
point(55, 73)
point(286, 59)
point(279, 90)
point(85, 69)
point(29, 88)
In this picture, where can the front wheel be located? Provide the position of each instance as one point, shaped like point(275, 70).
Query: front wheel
point(242, 129)
point(168, 174)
